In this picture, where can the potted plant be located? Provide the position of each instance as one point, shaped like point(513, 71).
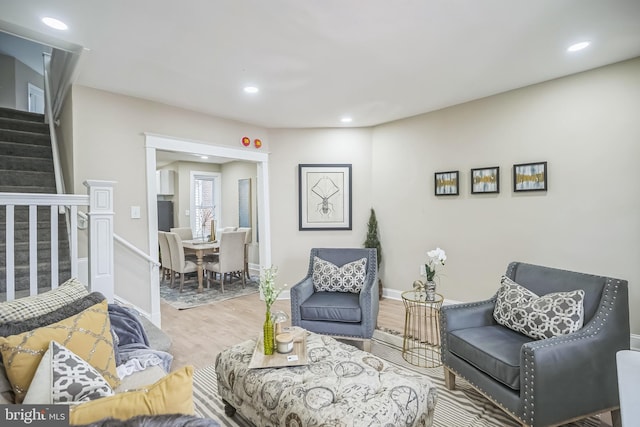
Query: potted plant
point(372, 241)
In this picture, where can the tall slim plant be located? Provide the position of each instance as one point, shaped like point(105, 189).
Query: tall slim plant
point(372, 241)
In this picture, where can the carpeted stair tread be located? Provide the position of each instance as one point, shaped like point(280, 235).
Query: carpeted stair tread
point(24, 125)
point(20, 136)
point(23, 163)
point(10, 113)
point(26, 166)
point(23, 189)
point(26, 178)
point(23, 149)
point(22, 276)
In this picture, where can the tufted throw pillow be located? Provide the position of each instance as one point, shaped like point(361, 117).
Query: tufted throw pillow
point(46, 302)
point(87, 334)
point(548, 316)
point(328, 277)
point(64, 377)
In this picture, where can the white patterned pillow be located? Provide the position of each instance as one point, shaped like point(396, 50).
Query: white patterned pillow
point(548, 316)
point(64, 377)
point(328, 277)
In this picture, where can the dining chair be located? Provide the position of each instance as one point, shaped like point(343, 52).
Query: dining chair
point(230, 257)
point(247, 240)
point(185, 233)
point(165, 257)
point(179, 263)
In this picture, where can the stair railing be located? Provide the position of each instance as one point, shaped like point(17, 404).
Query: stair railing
point(101, 252)
point(83, 222)
point(57, 168)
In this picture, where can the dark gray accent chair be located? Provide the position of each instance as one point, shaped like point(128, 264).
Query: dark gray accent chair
point(542, 382)
point(338, 314)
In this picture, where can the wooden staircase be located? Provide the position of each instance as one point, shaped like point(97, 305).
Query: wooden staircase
point(26, 166)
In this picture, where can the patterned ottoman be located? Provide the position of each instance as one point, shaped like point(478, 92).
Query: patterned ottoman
point(341, 386)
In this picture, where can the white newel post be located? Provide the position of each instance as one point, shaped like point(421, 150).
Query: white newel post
point(101, 255)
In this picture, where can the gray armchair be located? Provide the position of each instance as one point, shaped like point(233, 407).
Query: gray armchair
point(542, 382)
point(340, 314)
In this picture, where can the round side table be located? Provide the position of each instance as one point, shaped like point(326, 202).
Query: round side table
point(421, 343)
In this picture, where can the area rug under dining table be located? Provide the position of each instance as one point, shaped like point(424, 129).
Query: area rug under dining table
point(190, 297)
point(463, 407)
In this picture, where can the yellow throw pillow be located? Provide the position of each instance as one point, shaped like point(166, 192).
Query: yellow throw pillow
point(173, 394)
point(87, 334)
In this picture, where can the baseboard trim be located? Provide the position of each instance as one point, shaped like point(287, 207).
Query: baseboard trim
point(635, 342)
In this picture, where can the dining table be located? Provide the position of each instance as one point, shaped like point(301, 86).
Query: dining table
point(200, 248)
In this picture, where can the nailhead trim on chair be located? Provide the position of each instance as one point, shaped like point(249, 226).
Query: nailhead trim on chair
point(593, 328)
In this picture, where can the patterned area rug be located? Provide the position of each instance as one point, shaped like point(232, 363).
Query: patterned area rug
point(463, 407)
point(190, 298)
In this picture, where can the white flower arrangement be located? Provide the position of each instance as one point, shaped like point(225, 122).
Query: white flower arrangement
point(268, 286)
point(435, 257)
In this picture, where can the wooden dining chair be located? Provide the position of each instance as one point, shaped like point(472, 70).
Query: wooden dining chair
point(230, 257)
point(179, 263)
point(165, 257)
point(247, 240)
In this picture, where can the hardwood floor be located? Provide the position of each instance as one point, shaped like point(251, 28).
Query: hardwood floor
point(199, 334)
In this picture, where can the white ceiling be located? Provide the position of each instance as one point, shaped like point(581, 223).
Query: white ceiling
point(316, 61)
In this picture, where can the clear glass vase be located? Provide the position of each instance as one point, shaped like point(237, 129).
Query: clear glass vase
point(267, 330)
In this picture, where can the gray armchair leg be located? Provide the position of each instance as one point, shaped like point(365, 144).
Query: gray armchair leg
point(449, 379)
point(366, 345)
point(616, 420)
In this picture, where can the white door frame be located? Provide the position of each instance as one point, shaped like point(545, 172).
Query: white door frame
point(35, 91)
point(155, 142)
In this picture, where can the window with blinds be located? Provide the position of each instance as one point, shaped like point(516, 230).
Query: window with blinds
point(204, 197)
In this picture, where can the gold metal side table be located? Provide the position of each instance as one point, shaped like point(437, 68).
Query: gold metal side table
point(421, 344)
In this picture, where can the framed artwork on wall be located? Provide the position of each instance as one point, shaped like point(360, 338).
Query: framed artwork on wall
point(485, 180)
point(530, 177)
point(446, 183)
point(324, 197)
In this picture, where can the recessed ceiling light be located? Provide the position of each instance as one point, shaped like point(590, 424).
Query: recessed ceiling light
point(346, 120)
point(578, 46)
point(204, 157)
point(54, 23)
point(251, 89)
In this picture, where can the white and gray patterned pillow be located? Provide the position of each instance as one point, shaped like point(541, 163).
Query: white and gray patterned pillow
point(64, 377)
point(46, 302)
point(548, 316)
point(328, 277)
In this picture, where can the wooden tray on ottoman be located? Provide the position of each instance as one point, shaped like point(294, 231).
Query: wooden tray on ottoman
point(297, 357)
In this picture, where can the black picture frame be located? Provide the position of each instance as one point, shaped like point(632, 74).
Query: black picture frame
point(446, 183)
point(324, 197)
point(530, 177)
point(485, 180)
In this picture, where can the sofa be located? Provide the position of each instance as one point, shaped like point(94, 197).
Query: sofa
point(106, 362)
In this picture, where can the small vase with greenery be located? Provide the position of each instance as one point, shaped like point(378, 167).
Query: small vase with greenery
point(270, 292)
point(373, 242)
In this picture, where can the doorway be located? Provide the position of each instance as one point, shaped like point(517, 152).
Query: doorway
point(154, 143)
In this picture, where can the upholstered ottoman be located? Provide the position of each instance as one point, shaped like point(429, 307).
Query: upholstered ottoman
point(341, 386)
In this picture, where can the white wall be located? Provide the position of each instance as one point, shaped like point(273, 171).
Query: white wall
point(585, 126)
point(290, 247)
point(109, 144)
